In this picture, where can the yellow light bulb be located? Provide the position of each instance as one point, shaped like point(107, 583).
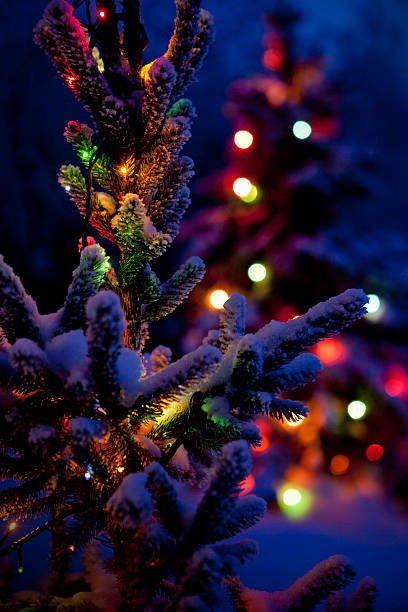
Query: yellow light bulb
point(123, 170)
point(243, 139)
point(291, 497)
point(242, 187)
point(218, 298)
point(120, 469)
point(12, 526)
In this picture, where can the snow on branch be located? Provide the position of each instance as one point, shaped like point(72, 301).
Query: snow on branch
point(176, 289)
point(232, 320)
point(86, 281)
point(281, 342)
point(106, 324)
point(18, 311)
point(190, 367)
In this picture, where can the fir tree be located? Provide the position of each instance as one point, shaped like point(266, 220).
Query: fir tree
point(93, 428)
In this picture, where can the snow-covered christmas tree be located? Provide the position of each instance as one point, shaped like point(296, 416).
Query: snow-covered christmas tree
point(97, 434)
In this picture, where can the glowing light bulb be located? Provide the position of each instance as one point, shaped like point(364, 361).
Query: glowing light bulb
point(12, 526)
point(293, 423)
point(395, 386)
point(301, 130)
point(123, 170)
point(375, 308)
point(330, 351)
point(257, 272)
point(272, 59)
point(20, 569)
point(85, 154)
point(218, 298)
point(294, 501)
point(252, 195)
point(120, 469)
point(71, 547)
point(373, 303)
point(87, 475)
point(242, 187)
point(356, 409)
point(102, 14)
point(292, 497)
point(374, 452)
point(67, 188)
point(339, 464)
point(243, 139)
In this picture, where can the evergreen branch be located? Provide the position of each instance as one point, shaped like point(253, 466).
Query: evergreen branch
point(87, 280)
point(18, 311)
point(175, 290)
point(41, 528)
point(159, 84)
point(301, 370)
point(281, 342)
point(72, 180)
point(106, 325)
point(232, 321)
point(182, 42)
point(219, 502)
point(362, 600)
point(196, 363)
point(202, 42)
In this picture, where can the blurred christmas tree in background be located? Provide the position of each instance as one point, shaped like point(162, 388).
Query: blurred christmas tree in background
point(287, 227)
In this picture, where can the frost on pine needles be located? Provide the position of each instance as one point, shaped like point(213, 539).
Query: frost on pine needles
point(95, 431)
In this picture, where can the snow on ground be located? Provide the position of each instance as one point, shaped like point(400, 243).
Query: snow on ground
point(367, 529)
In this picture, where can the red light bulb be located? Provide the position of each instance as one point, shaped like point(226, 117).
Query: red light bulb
point(102, 14)
point(374, 452)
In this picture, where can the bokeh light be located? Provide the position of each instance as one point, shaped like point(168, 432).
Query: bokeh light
point(243, 139)
point(242, 187)
point(292, 497)
point(218, 298)
point(301, 130)
point(397, 381)
point(252, 195)
point(12, 526)
point(374, 303)
point(102, 14)
point(356, 409)
point(272, 59)
point(395, 386)
point(123, 170)
point(339, 464)
point(294, 501)
point(374, 452)
point(330, 351)
point(257, 272)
